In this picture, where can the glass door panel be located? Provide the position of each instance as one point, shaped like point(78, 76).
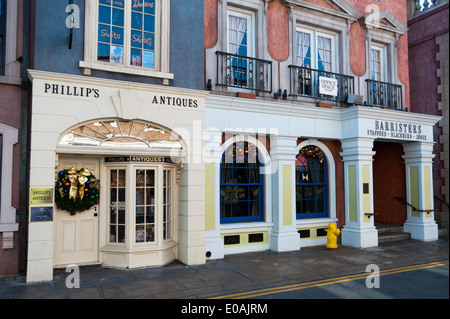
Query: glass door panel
point(145, 205)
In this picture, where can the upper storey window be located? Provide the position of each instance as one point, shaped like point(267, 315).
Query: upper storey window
point(240, 33)
point(131, 36)
point(315, 50)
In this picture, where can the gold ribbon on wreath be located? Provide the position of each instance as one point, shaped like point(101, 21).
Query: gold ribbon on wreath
point(77, 182)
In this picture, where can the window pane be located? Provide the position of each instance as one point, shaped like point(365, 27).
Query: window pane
point(117, 36)
point(136, 20)
point(118, 17)
point(311, 183)
point(117, 206)
point(136, 39)
point(148, 59)
point(241, 184)
point(136, 57)
point(110, 31)
point(104, 14)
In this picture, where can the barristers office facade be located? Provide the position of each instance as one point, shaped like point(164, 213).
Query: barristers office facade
point(278, 178)
point(123, 165)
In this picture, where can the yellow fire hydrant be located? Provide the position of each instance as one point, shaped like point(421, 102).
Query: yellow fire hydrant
point(332, 233)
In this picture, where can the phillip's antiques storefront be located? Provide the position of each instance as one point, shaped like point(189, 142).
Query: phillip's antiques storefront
point(116, 176)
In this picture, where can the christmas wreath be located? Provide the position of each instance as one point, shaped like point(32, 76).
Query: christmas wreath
point(76, 191)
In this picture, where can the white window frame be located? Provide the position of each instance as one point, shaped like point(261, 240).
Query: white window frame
point(130, 207)
point(162, 46)
point(383, 62)
point(12, 67)
point(315, 33)
point(250, 16)
point(8, 223)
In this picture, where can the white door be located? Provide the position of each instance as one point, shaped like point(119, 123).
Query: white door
point(77, 236)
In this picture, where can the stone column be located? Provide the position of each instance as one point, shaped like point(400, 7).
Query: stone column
point(284, 236)
point(420, 221)
point(359, 230)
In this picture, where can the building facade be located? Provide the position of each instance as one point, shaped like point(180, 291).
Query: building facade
point(188, 130)
point(11, 27)
point(116, 135)
point(428, 25)
point(310, 123)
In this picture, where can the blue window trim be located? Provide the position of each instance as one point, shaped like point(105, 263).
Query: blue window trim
point(325, 212)
point(260, 185)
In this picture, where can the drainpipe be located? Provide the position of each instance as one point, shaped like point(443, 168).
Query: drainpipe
point(24, 141)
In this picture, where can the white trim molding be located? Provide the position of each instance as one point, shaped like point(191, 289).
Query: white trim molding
point(8, 223)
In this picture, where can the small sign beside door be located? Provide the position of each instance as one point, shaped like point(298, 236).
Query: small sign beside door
point(41, 214)
point(41, 196)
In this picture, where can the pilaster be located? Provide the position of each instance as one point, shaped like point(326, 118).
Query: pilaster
point(284, 236)
point(359, 230)
point(420, 221)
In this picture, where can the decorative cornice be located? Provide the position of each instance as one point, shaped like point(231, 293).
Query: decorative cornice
point(346, 10)
point(372, 21)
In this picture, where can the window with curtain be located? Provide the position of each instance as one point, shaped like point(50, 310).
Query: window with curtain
point(311, 182)
point(315, 50)
point(241, 185)
point(376, 64)
point(239, 45)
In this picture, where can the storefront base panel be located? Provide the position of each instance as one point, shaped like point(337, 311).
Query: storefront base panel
point(359, 237)
point(310, 237)
point(284, 241)
point(140, 259)
point(424, 231)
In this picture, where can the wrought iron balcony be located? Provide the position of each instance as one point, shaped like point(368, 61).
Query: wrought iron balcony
point(306, 82)
point(384, 94)
point(243, 72)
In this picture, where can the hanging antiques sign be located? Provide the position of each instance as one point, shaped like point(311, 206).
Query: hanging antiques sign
point(328, 86)
point(138, 159)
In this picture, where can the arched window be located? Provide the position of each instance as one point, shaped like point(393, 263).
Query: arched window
point(241, 184)
point(311, 182)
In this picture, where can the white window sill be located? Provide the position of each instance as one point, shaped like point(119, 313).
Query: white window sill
point(109, 67)
point(10, 80)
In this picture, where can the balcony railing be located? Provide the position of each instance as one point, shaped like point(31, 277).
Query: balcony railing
point(306, 82)
point(384, 94)
point(237, 71)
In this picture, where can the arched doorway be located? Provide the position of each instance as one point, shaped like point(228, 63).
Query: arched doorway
point(135, 221)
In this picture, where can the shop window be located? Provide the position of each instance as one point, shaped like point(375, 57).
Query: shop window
point(117, 206)
point(241, 185)
point(128, 36)
point(150, 207)
point(311, 183)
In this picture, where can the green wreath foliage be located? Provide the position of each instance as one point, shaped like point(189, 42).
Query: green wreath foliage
point(90, 191)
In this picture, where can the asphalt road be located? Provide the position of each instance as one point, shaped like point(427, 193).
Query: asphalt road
point(426, 281)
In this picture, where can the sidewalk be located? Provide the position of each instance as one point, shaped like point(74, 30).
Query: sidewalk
point(235, 273)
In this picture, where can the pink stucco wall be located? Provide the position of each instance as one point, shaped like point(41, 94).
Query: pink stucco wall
point(278, 30)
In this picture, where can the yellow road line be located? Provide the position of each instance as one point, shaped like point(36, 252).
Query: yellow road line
point(318, 283)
